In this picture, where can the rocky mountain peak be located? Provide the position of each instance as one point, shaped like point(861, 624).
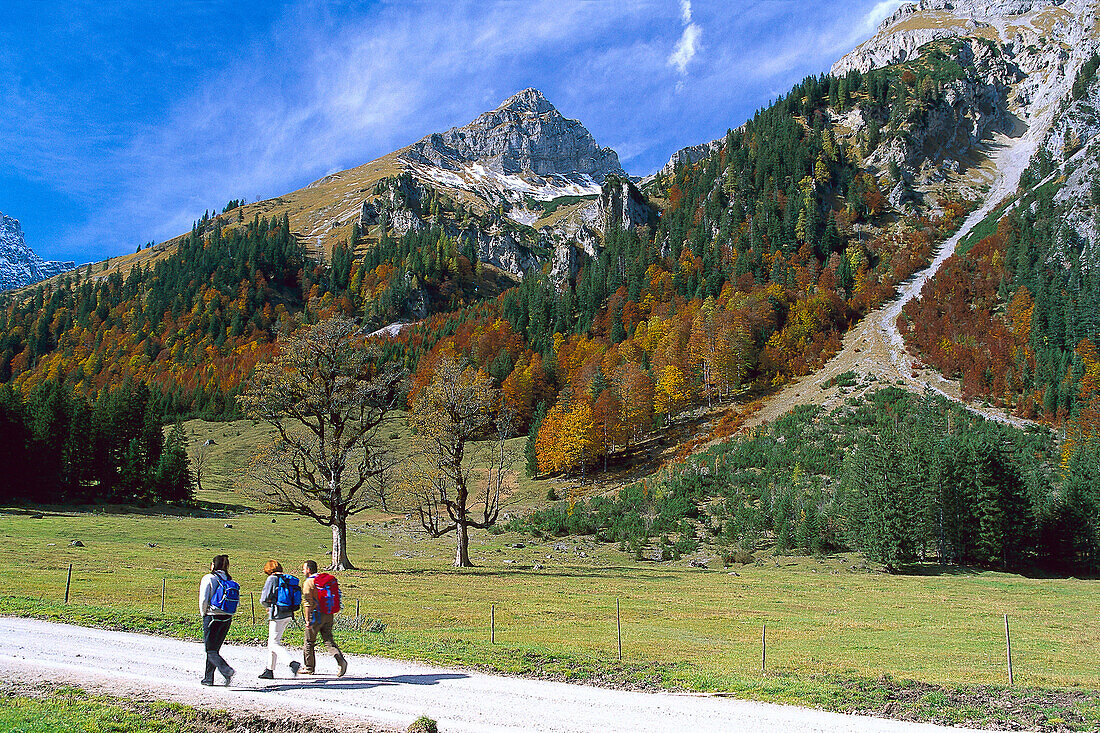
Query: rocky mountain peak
point(524, 135)
point(530, 101)
point(19, 265)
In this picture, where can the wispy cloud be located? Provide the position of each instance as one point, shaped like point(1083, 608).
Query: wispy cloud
point(688, 45)
point(313, 87)
point(880, 12)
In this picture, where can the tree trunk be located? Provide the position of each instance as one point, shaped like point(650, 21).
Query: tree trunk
point(340, 559)
point(462, 551)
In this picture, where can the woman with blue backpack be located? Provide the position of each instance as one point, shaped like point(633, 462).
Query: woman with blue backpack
point(219, 595)
point(281, 596)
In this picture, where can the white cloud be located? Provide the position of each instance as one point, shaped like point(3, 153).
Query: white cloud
point(685, 11)
point(273, 120)
point(880, 12)
point(688, 45)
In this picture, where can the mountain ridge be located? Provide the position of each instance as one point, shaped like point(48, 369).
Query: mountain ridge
point(19, 264)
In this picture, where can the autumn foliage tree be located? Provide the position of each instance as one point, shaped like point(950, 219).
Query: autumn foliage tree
point(326, 393)
point(455, 408)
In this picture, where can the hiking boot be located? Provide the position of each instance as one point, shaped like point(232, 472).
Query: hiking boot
point(267, 674)
point(306, 671)
point(343, 665)
point(229, 677)
point(294, 667)
point(208, 683)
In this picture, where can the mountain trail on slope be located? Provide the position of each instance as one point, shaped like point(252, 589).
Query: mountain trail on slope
point(874, 349)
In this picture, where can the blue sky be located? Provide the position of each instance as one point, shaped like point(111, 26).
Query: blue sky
point(122, 121)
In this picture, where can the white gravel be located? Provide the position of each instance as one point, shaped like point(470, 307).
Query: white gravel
point(383, 693)
point(1011, 157)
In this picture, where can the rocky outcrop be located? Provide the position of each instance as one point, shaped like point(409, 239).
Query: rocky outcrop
point(969, 112)
point(691, 154)
point(564, 263)
point(524, 134)
point(399, 203)
point(19, 265)
point(914, 24)
point(622, 204)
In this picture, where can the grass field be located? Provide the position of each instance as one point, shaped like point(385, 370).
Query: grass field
point(830, 620)
point(67, 712)
point(72, 710)
point(822, 616)
point(233, 443)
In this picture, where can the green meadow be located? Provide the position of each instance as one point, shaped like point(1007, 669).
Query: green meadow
point(834, 625)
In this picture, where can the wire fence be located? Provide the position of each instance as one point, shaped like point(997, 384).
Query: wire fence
point(352, 619)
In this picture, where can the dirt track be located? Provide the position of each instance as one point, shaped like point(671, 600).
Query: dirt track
point(383, 694)
point(874, 349)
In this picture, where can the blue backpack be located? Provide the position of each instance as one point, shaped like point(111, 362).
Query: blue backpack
point(227, 594)
point(288, 593)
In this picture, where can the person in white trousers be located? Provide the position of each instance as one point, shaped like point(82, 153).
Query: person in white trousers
point(277, 619)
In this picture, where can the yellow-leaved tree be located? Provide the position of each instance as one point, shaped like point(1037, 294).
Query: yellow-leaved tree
point(671, 394)
point(452, 411)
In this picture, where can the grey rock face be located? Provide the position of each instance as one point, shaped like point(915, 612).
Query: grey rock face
point(400, 204)
point(524, 134)
point(621, 203)
point(691, 154)
point(898, 40)
point(19, 265)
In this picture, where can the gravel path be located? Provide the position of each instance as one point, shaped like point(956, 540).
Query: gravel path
point(382, 694)
point(874, 348)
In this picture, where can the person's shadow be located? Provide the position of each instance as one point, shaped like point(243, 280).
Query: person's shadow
point(354, 683)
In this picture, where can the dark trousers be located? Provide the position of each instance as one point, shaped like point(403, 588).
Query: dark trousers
point(214, 629)
point(321, 624)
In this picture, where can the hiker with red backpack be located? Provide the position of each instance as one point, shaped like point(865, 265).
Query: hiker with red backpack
point(281, 596)
point(219, 595)
point(320, 602)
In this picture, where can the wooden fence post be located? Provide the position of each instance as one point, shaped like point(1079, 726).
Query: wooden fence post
point(357, 610)
point(764, 647)
point(1008, 650)
point(68, 582)
point(252, 602)
point(619, 629)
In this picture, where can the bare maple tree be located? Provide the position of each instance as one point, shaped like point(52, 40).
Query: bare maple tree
point(200, 462)
point(451, 492)
point(326, 393)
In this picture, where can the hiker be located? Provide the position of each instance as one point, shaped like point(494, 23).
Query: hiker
point(320, 600)
point(281, 596)
point(219, 595)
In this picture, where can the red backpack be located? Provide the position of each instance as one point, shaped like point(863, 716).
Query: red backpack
point(328, 593)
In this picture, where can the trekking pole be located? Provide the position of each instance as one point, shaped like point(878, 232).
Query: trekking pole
point(252, 602)
point(163, 588)
point(68, 582)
